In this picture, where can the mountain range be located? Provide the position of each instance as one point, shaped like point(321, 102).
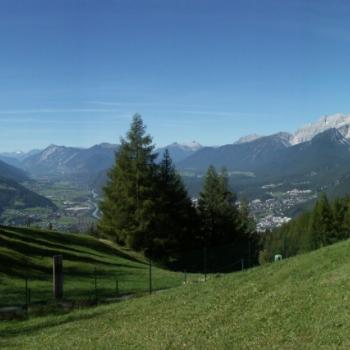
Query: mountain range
point(338, 121)
point(314, 148)
point(180, 151)
point(318, 153)
point(246, 156)
point(316, 157)
point(62, 161)
point(89, 164)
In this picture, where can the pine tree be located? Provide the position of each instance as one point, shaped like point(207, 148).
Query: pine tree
point(339, 208)
point(248, 223)
point(208, 205)
point(176, 217)
point(249, 240)
point(321, 224)
point(346, 219)
point(128, 206)
point(218, 211)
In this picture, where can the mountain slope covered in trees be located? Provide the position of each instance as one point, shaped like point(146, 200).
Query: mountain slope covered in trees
point(15, 196)
point(13, 173)
point(247, 156)
point(326, 223)
point(270, 155)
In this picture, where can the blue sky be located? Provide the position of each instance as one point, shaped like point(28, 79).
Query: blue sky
point(74, 72)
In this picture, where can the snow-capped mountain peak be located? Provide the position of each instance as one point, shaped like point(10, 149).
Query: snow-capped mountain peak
point(193, 146)
point(49, 150)
point(248, 138)
point(338, 121)
point(179, 151)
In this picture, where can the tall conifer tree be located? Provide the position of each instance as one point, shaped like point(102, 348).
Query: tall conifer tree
point(321, 223)
point(218, 211)
point(339, 208)
point(176, 217)
point(128, 206)
point(346, 222)
point(248, 223)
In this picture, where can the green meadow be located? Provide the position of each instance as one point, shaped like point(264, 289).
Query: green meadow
point(27, 254)
point(299, 303)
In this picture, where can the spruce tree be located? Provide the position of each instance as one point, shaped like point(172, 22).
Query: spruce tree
point(128, 205)
point(346, 219)
point(339, 208)
point(321, 224)
point(176, 217)
point(218, 211)
point(248, 223)
point(249, 240)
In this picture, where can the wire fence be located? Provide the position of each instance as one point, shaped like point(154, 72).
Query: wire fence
point(29, 291)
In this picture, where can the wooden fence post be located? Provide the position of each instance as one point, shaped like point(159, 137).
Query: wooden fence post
point(58, 277)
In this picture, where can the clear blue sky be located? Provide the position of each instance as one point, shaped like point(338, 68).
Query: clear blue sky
point(73, 72)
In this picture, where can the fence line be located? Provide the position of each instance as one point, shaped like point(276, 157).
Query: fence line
point(105, 288)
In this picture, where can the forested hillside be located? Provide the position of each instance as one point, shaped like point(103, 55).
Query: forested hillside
point(326, 223)
point(13, 195)
point(10, 172)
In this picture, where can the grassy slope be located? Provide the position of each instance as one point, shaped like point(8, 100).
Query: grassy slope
point(300, 303)
point(25, 252)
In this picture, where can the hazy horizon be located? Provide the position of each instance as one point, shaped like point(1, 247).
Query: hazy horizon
point(184, 142)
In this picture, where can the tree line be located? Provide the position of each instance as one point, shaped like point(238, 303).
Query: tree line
point(146, 206)
point(328, 222)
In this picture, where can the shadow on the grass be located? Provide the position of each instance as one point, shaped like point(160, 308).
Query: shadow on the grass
point(63, 238)
point(22, 327)
point(43, 242)
point(19, 268)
